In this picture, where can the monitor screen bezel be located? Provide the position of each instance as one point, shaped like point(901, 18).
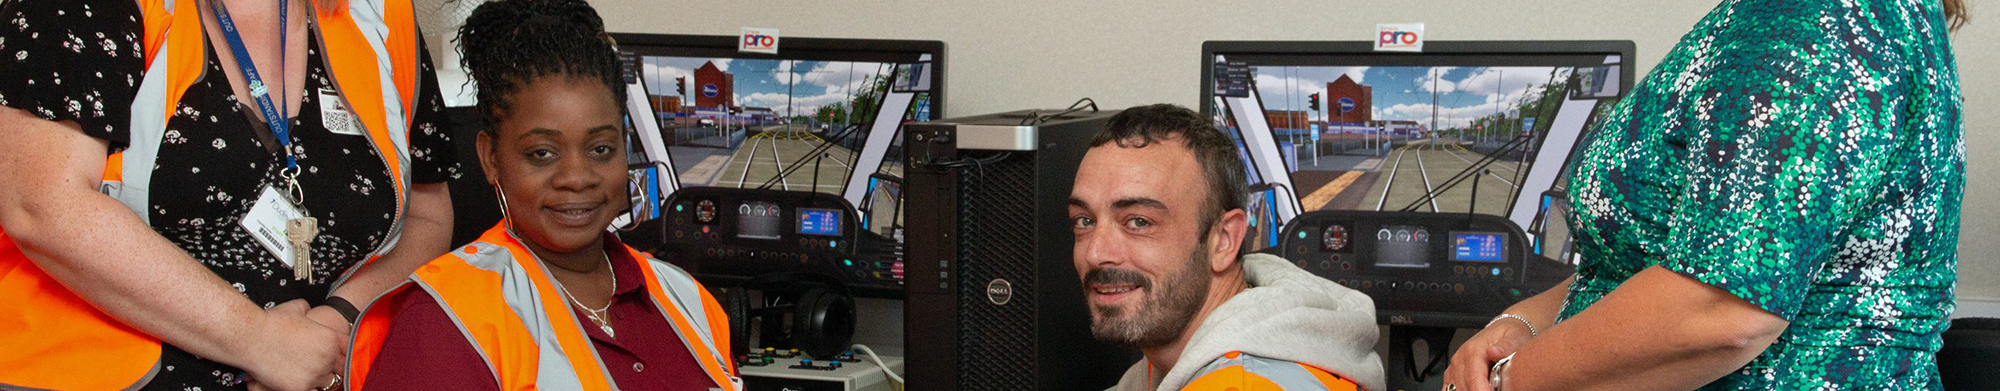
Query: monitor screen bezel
point(1436, 53)
point(799, 48)
point(1432, 50)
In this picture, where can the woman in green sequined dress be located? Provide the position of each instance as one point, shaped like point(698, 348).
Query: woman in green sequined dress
point(1775, 206)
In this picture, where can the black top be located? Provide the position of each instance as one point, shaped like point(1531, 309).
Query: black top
point(82, 61)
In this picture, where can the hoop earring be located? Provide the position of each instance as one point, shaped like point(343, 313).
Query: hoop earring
point(501, 194)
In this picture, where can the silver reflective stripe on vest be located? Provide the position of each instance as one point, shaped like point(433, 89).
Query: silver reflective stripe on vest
point(150, 110)
point(426, 287)
point(554, 370)
point(517, 288)
point(369, 16)
point(687, 299)
point(149, 126)
point(1288, 375)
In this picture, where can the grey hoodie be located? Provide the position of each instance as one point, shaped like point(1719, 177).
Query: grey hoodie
point(1286, 314)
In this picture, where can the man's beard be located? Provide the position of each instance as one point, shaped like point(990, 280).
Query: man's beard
point(1161, 315)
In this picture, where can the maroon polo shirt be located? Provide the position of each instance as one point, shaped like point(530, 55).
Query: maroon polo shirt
point(424, 350)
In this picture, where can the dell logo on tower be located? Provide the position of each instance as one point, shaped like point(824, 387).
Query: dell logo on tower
point(999, 291)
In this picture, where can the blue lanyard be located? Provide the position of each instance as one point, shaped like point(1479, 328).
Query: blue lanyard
point(279, 121)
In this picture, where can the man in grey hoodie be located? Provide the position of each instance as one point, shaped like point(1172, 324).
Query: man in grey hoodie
point(1157, 209)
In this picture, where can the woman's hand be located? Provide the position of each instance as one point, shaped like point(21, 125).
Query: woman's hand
point(333, 320)
point(288, 350)
point(1469, 365)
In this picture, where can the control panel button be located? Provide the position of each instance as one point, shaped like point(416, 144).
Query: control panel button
point(704, 211)
point(1335, 238)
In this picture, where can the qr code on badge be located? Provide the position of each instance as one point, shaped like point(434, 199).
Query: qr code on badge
point(337, 118)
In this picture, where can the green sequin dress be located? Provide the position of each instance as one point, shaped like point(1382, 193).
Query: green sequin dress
point(1806, 156)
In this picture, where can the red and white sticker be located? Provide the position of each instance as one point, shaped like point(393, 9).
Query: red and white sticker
point(1399, 37)
point(758, 40)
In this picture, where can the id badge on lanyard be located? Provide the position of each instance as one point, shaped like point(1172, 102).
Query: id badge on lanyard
point(275, 215)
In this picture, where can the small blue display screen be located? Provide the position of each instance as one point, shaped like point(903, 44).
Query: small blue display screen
point(1479, 246)
point(817, 221)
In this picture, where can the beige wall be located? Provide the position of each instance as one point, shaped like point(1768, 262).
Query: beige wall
point(1017, 54)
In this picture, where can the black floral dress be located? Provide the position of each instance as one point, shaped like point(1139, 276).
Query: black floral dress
point(82, 61)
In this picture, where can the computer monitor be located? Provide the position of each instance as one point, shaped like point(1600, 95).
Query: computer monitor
point(781, 162)
point(1419, 179)
point(1339, 126)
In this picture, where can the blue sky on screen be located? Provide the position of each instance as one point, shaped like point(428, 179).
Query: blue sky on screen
point(763, 83)
point(1404, 93)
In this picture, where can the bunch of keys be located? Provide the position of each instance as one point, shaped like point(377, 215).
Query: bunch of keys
point(300, 232)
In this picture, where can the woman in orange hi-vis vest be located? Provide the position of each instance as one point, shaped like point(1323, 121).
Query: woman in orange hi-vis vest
point(547, 299)
point(192, 192)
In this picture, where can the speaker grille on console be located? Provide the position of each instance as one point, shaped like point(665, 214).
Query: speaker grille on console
point(996, 227)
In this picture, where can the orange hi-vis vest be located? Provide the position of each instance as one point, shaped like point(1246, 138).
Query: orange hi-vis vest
point(1236, 371)
point(52, 339)
point(505, 302)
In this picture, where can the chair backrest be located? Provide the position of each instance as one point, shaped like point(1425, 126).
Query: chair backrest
point(1971, 347)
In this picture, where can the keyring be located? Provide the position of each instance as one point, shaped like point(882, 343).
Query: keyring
point(292, 187)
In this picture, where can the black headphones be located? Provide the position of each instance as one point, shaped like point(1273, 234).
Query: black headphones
point(808, 311)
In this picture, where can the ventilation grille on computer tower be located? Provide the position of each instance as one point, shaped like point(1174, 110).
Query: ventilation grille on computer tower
point(996, 226)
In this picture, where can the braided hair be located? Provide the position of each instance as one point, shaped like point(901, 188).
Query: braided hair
point(508, 43)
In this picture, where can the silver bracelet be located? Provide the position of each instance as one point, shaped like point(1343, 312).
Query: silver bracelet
point(1524, 321)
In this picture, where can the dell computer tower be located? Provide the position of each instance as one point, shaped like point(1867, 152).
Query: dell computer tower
point(993, 301)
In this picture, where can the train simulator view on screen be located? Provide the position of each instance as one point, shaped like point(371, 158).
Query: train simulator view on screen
point(1466, 131)
point(780, 164)
point(1381, 138)
point(744, 122)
